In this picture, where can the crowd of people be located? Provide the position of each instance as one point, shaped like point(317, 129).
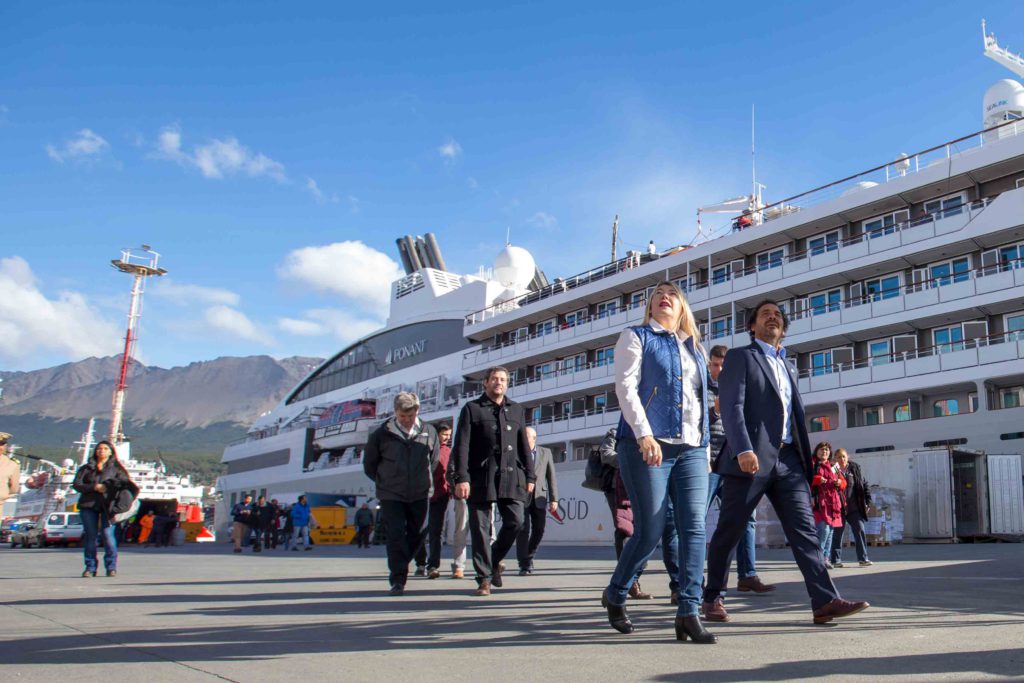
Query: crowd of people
point(269, 524)
point(695, 427)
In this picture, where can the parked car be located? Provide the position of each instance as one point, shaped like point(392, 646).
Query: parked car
point(62, 528)
point(8, 526)
point(28, 535)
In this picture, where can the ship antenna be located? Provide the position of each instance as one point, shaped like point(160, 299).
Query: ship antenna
point(615, 236)
point(140, 266)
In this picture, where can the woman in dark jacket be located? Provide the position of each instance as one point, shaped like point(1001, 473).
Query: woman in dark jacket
point(99, 481)
point(855, 512)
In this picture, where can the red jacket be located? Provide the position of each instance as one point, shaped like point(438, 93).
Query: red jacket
point(442, 489)
point(828, 485)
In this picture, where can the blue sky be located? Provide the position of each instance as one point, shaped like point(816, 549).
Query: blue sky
point(244, 139)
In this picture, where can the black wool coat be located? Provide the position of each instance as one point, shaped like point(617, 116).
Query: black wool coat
point(491, 451)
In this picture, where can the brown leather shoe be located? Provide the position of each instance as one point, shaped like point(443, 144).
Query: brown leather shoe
point(483, 589)
point(715, 611)
point(837, 609)
point(637, 593)
point(753, 583)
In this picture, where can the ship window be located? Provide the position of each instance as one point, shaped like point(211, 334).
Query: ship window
point(822, 243)
point(825, 302)
point(543, 370)
point(972, 401)
point(821, 424)
point(880, 352)
point(720, 274)
point(573, 363)
point(721, 327)
point(901, 413)
point(885, 225)
point(948, 339)
point(575, 318)
point(946, 206)
point(821, 363)
point(605, 356)
point(957, 270)
point(873, 416)
point(546, 327)
point(771, 259)
point(637, 299)
point(607, 308)
point(882, 288)
point(1010, 398)
point(947, 406)
point(1020, 183)
point(1015, 325)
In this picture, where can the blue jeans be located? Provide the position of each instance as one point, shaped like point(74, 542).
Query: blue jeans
point(679, 484)
point(856, 523)
point(94, 521)
point(824, 537)
point(746, 556)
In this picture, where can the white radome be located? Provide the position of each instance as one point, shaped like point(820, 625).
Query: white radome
point(1004, 96)
point(857, 187)
point(514, 267)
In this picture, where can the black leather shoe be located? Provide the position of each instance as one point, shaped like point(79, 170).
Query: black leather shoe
point(496, 577)
point(690, 627)
point(617, 616)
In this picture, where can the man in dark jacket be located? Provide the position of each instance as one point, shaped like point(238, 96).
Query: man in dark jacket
point(855, 511)
point(492, 465)
point(400, 457)
point(364, 524)
point(543, 499)
point(264, 524)
point(243, 514)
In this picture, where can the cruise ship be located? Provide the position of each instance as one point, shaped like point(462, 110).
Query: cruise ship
point(904, 287)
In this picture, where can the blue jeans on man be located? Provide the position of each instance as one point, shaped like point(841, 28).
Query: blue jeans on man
point(93, 521)
point(678, 484)
point(746, 557)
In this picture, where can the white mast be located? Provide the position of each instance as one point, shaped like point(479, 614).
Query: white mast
point(140, 267)
point(1001, 55)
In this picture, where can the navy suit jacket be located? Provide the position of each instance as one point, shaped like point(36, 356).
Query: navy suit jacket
point(751, 408)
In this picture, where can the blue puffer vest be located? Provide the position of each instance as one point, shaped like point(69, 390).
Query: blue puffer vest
point(661, 386)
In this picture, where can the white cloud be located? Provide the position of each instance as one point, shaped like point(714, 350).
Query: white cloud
point(183, 294)
point(301, 328)
point(30, 322)
point(235, 323)
point(472, 183)
point(542, 219)
point(450, 150)
point(83, 146)
point(358, 272)
point(318, 194)
point(218, 158)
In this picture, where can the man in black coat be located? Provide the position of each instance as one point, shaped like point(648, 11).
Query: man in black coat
point(492, 465)
point(400, 457)
point(767, 453)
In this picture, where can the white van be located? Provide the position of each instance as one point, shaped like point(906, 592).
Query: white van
point(62, 528)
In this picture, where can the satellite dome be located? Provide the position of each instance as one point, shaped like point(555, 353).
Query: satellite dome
point(1004, 97)
point(857, 187)
point(514, 267)
point(67, 462)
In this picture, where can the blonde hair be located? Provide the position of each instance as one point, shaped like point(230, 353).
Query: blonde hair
point(841, 452)
point(687, 323)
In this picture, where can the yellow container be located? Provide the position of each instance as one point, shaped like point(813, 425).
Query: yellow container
point(333, 535)
point(192, 530)
point(329, 516)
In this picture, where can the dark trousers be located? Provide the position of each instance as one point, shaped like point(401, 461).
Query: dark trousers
point(485, 555)
point(531, 533)
point(363, 536)
point(860, 541)
point(435, 526)
point(406, 527)
point(620, 535)
point(790, 494)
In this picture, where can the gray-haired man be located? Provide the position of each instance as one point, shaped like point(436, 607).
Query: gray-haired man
point(400, 457)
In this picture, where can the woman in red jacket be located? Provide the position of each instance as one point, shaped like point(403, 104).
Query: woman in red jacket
point(827, 486)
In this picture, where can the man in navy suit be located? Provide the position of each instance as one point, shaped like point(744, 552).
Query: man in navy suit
point(767, 452)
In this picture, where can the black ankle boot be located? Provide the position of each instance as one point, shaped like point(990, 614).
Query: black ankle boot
point(691, 627)
point(617, 616)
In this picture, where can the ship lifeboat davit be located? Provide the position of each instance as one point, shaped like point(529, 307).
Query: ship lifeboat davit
point(37, 480)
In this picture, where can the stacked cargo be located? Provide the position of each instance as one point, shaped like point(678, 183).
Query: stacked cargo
point(884, 524)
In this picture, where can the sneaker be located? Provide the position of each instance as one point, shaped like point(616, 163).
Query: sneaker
point(457, 573)
point(838, 563)
point(866, 563)
point(434, 573)
point(421, 571)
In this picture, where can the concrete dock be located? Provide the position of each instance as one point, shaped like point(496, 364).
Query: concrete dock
point(202, 613)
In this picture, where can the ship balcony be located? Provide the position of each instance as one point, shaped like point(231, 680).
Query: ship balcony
point(591, 424)
point(554, 343)
point(968, 361)
point(565, 381)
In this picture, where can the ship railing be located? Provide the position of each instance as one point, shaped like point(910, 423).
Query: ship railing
point(896, 365)
point(561, 417)
point(918, 285)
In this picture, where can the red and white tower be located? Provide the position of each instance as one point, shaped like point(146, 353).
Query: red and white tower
point(141, 265)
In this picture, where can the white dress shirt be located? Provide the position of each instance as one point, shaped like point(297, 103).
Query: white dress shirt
point(777, 362)
point(412, 433)
point(628, 361)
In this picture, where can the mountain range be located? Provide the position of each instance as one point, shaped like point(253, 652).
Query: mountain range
point(195, 408)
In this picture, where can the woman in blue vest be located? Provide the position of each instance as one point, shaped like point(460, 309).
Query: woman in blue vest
point(661, 384)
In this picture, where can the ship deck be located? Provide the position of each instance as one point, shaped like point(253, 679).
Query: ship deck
point(200, 613)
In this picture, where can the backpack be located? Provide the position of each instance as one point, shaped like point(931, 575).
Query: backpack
point(598, 476)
